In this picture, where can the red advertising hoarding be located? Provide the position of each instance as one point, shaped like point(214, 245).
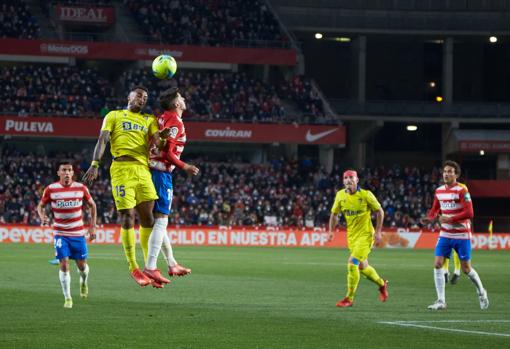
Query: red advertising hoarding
point(69, 127)
point(129, 51)
point(263, 237)
point(266, 133)
point(84, 14)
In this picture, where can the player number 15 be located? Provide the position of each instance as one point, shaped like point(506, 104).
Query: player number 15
point(119, 191)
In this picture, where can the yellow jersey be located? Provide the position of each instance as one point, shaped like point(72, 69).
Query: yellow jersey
point(356, 209)
point(130, 133)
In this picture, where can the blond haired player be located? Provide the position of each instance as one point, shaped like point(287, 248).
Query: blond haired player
point(129, 132)
point(357, 205)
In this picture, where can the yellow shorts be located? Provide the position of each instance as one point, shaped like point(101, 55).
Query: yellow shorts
point(131, 184)
point(361, 246)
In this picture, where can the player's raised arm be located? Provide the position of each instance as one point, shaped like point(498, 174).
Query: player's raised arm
point(92, 172)
point(190, 169)
point(169, 134)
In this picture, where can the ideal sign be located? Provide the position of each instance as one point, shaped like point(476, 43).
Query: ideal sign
point(85, 14)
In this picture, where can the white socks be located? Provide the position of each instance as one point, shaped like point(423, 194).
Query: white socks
point(439, 281)
point(155, 242)
point(84, 274)
point(65, 282)
point(473, 276)
point(168, 252)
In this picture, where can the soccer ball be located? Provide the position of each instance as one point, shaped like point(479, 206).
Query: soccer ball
point(164, 67)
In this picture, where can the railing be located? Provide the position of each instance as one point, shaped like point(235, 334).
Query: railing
point(95, 3)
point(248, 119)
point(401, 5)
point(87, 36)
point(422, 108)
point(439, 22)
point(108, 37)
point(234, 43)
point(346, 108)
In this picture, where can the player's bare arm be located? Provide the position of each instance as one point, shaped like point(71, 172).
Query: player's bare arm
point(432, 214)
point(45, 220)
point(191, 169)
point(379, 219)
point(426, 220)
point(90, 176)
point(445, 219)
point(333, 221)
point(93, 219)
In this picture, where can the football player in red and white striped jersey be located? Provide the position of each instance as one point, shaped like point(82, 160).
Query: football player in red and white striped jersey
point(162, 163)
point(452, 203)
point(65, 198)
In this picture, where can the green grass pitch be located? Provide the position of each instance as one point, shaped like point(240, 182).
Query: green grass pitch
point(249, 298)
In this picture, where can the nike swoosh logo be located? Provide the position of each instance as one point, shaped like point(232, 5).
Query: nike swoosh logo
point(314, 137)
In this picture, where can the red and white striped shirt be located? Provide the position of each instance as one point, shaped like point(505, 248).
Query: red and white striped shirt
point(454, 202)
point(169, 157)
point(66, 205)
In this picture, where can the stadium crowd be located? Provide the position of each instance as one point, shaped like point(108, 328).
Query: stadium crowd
point(16, 21)
point(208, 23)
point(280, 193)
point(55, 90)
point(227, 96)
point(211, 95)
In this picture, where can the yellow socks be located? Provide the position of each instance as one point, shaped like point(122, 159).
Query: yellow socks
point(370, 273)
point(456, 261)
point(352, 280)
point(446, 265)
point(145, 234)
point(129, 245)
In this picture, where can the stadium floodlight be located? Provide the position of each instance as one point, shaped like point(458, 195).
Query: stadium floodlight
point(318, 36)
point(493, 39)
point(411, 128)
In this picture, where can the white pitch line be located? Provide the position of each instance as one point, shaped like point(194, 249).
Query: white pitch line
point(453, 321)
point(413, 324)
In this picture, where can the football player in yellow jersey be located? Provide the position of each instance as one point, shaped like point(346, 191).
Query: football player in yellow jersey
point(129, 132)
point(357, 205)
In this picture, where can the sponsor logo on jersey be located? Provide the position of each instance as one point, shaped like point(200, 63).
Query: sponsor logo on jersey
point(129, 126)
point(352, 212)
point(448, 205)
point(68, 203)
